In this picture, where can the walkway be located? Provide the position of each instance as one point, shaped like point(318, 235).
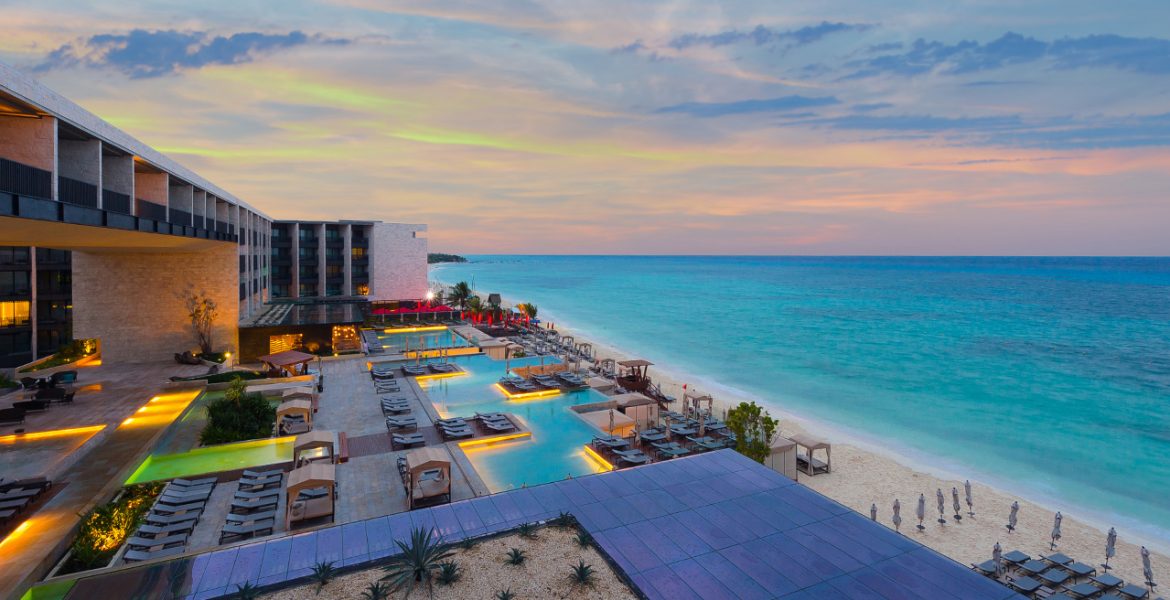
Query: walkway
point(26, 554)
point(715, 525)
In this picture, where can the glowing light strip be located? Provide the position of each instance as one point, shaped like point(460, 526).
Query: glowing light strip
point(591, 453)
point(414, 329)
point(16, 533)
point(498, 438)
point(441, 375)
point(527, 395)
point(41, 435)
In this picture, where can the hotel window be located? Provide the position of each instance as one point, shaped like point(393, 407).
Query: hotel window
point(14, 314)
point(282, 343)
point(13, 256)
point(359, 252)
point(14, 283)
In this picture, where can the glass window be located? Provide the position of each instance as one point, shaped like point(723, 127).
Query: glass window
point(14, 314)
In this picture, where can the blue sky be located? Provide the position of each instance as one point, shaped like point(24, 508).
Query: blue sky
point(701, 127)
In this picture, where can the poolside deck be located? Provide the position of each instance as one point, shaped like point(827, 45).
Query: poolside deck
point(711, 526)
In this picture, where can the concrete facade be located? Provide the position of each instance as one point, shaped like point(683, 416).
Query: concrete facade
point(135, 303)
point(398, 261)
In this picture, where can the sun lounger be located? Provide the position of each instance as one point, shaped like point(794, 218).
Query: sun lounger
point(249, 506)
point(1025, 585)
point(194, 482)
point(19, 494)
point(1083, 590)
point(182, 489)
point(395, 409)
point(407, 440)
point(32, 405)
point(1134, 592)
point(1016, 557)
point(231, 530)
point(455, 422)
point(16, 505)
point(172, 509)
point(239, 519)
point(401, 422)
point(141, 555)
point(259, 494)
point(636, 457)
point(155, 518)
point(455, 434)
point(191, 493)
point(986, 567)
point(499, 426)
point(250, 474)
point(179, 500)
point(1054, 577)
point(611, 442)
point(154, 531)
point(1107, 581)
point(1079, 569)
point(145, 543)
point(11, 416)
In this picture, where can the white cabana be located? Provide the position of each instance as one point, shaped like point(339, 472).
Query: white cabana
point(429, 475)
point(318, 481)
point(315, 446)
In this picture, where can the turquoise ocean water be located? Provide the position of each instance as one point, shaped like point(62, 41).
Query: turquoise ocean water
point(1050, 376)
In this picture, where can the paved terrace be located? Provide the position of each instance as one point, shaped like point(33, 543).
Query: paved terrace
point(105, 395)
point(710, 526)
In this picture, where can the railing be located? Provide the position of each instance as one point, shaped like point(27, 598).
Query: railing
point(77, 192)
point(150, 210)
point(23, 180)
point(116, 202)
point(180, 217)
point(151, 217)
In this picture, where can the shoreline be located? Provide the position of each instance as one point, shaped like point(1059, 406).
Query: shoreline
point(869, 470)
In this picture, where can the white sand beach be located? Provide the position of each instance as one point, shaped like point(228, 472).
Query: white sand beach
point(864, 475)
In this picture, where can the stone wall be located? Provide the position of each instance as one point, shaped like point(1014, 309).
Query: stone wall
point(398, 261)
point(136, 303)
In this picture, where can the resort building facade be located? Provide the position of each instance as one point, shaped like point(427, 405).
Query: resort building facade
point(36, 303)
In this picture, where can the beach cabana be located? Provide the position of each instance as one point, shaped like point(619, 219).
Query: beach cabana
point(317, 481)
point(289, 362)
point(296, 408)
point(300, 393)
point(643, 411)
point(806, 461)
point(782, 457)
point(600, 384)
point(633, 376)
point(314, 446)
point(429, 475)
point(611, 421)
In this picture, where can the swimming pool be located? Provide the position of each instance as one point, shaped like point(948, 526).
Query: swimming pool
point(213, 459)
point(556, 448)
point(414, 340)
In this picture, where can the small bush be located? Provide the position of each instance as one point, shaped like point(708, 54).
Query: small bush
point(468, 543)
point(106, 527)
point(238, 416)
point(564, 520)
point(448, 573)
point(247, 591)
point(376, 591)
point(515, 557)
point(582, 573)
point(527, 531)
point(505, 595)
point(323, 573)
point(584, 539)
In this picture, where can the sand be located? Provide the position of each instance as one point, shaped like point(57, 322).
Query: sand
point(864, 475)
point(544, 573)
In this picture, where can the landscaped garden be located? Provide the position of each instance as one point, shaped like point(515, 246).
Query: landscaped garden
point(238, 416)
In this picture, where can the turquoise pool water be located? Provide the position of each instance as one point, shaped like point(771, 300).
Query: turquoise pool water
point(556, 448)
point(396, 342)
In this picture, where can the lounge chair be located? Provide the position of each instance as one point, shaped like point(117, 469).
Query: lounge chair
point(231, 530)
point(1054, 576)
point(179, 500)
point(634, 457)
point(144, 543)
point(986, 567)
point(611, 442)
point(1079, 569)
point(499, 426)
point(1134, 592)
point(260, 482)
point(18, 505)
point(1025, 585)
point(407, 440)
point(32, 405)
point(182, 492)
point(455, 422)
point(250, 506)
point(395, 409)
point(1016, 557)
point(250, 474)
point(11, 416)
point(1107, 581)
point(194, 482)
point(141, 555)
point(459, 433)
point(259, 494)
point(239, 519)
point(155, 518)
point(172, 509)
point(401, 423)
point(154, 531)
point(1083, 590)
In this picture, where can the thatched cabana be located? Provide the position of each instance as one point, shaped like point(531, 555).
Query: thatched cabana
point(428, 475)
point(309, 478)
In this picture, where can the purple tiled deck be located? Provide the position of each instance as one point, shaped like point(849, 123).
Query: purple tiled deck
point(715, 525)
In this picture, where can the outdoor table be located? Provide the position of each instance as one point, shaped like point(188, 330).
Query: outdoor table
point(680, 430)
point(652, 436)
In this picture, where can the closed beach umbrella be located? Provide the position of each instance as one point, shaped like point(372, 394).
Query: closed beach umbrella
point(997, 558)
point(970, 502)
point(921, 511)
point(611, 421)
point(955, 501)
point(897, 516)
point(942, 506)
point(1147, 569)
point(873, 512)
point(1055, 529)
point(1011, 526)
point(1110, 547)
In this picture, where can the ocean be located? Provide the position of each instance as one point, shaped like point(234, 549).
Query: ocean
point(1049, 376)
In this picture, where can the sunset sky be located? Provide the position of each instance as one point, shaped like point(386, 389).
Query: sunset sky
point(680, 127)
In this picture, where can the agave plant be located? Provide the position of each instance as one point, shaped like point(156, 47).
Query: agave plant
point(418, 561)
point(323, 573)
point(582, 573)
point(516, 556)
point(584, 539)
point(527, 531)
point(468, 543)
point(564, 520)
point(505, 595)
point(376, 591)
point(448, 573)
point(247, 591)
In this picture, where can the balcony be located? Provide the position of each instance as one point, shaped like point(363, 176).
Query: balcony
point(77, 192)
point(23, 180)
point(116, 202)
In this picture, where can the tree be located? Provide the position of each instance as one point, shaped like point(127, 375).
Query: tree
point(753, 428)
point(460, 294)
point(475, 306)
point(203, 311)
point(529, 310)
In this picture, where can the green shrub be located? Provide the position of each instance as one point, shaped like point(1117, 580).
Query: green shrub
point(106, 527)
point(753, 428)
point(237, 416)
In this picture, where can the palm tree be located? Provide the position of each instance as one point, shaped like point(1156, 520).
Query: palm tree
point(460, 294)
point(475, 307)
point(529, 310)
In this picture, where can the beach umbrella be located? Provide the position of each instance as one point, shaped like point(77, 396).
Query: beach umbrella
point(1110, 547)
point(955, 502)
point(997, 558)
point(921, 511)
point(1055, 530)
point(970, 502)
point(942, 507)
point(873, 512)
point(897, 516)
point(1011, 526)
point(1148, 569)
point(611, 421)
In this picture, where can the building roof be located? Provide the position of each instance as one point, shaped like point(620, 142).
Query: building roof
point(635, 363)
point(287, 358)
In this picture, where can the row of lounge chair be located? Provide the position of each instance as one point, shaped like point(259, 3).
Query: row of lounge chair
point(16, 496)
point(253, 507)
point(1058, 577)
point(170, 521)
point(41, 400)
